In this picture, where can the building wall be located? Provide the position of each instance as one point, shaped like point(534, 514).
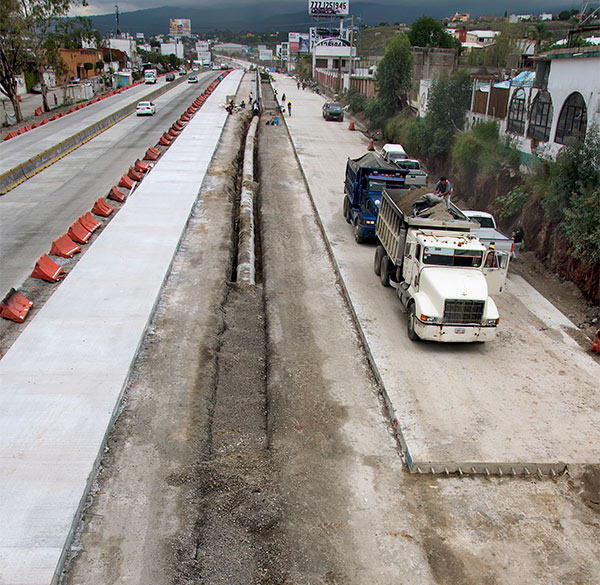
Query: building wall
point(431, 63)
point(566, 76)
point(74, 60)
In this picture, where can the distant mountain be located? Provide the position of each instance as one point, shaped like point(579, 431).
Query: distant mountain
point(292, 16)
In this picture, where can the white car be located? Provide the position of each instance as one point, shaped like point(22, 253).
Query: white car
point(145, 109)
point(192, 79)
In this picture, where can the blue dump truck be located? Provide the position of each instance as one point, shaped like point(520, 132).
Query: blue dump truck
point(366, 178)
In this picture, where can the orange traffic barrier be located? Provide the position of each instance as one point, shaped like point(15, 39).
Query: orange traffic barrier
point(141, 166)
point(351, 125)
point(10, 135)
point(174, 133)
point(116, 195)
point(371, 145)
point(134, 175)
point(178, 125)
point(38, 111)
point(596, 344)
point(151, 155)
point(165, 140)
point(154, 150)
point(15, 306)
point(71, 110)
point(44, 121)
point(21, 130)
point(101, 207)
point(64, 247)
point(185, 117)
point(126, 182)
point(89, 222)
point(47, 269)
point(79, 233)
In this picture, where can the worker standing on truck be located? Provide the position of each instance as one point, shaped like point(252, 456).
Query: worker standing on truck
point(443, 188)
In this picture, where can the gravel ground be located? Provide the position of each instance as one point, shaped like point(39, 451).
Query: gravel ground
point(253, 446)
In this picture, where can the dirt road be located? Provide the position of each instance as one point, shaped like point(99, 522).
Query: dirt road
point(253, 446)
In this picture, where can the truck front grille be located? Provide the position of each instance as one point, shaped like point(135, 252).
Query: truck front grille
point(463, 312)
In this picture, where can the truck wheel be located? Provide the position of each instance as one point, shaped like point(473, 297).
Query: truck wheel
point(412, 335)
point(379, 253)
point(357, 235)
point(384, 268)
point(347, 209)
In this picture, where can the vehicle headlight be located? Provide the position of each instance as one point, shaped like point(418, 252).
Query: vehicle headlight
point(428, 319)
point(492, 322)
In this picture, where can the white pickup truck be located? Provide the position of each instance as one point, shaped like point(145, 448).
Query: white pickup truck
point(396, 154)
point(488, 233)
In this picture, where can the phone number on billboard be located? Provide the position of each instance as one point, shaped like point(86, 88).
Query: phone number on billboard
point(317, 7)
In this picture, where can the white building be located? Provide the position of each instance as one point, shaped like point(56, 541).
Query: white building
point(265, 54)
point(172, 49)
point(561, 99)
point(126, 45)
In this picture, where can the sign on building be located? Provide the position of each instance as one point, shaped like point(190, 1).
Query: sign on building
point(180, 26)
point(328, 7)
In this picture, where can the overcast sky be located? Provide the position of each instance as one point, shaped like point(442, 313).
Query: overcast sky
point(108, 6)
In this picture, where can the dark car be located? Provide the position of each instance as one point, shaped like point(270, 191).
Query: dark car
point(170, 77)
point(333, 111)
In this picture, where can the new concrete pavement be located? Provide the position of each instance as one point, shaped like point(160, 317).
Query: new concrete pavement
point(62, 379)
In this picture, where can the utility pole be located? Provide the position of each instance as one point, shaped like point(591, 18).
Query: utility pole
point(117, 19)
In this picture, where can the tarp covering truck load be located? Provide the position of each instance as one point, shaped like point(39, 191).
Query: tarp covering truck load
point(366, 178)
point(442, 273)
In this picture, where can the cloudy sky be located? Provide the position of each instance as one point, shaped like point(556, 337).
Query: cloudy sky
point(108, 6)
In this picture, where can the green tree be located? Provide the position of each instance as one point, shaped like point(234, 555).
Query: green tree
point(304, 68)
point(13, 51)
point(449, 99)
point(539, 34)
point(428, 32)
point(394, 75)
point(572, 195)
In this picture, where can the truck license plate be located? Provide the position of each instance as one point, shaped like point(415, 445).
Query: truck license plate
point(460, 330)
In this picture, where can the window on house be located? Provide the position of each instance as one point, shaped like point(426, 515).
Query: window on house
point(321, 63)
point(540, 118)
point(516, 112)
point(572, 119)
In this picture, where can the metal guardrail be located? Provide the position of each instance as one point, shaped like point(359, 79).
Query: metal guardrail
point(17, 175)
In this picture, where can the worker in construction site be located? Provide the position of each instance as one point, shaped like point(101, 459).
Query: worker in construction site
point(443, 188)
point(289, 108)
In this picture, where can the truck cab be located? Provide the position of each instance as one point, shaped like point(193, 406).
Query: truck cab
point(366, 179)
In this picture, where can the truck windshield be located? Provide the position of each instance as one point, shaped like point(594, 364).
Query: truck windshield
point(452, 257)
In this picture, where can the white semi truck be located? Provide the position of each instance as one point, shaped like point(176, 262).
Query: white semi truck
point(442, 273)
point(150, 76)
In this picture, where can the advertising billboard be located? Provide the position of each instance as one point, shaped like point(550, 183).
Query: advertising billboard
point(180, 26)
point(294, 40)
point(328, 7)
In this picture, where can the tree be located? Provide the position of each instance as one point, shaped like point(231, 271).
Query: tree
point(449, 99)
point(394, 74)
point(538, 35)
point(13, 51)
point(428, 32)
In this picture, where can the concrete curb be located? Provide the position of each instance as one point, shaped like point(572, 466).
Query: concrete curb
point(246, 271)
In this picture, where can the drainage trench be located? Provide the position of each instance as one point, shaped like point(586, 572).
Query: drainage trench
point(238, 510)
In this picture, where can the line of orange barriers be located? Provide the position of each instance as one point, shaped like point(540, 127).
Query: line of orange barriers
point(15, 306)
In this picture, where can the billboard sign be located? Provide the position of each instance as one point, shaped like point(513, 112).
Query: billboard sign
point(180, 26)
point(294, 40)
point(317, 33)
point(328, 7)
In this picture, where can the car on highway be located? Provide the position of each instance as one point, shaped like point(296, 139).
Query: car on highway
point(145, 109)
point(192, 79)
point(170, 77)
point(333, 111)
point(182, 72)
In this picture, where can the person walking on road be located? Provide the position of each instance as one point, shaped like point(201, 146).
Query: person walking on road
point(517, 236)
point(283, 98)
point(55, 100)
point(290, 108)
